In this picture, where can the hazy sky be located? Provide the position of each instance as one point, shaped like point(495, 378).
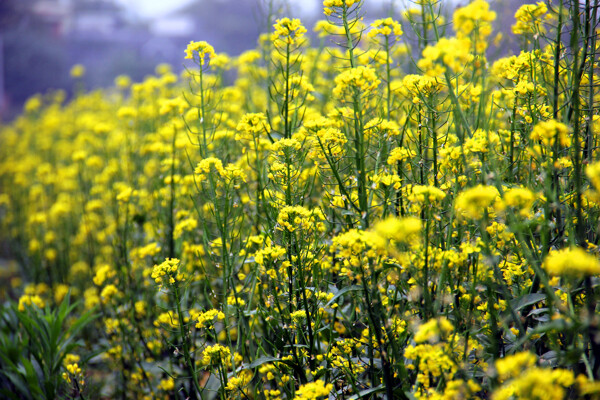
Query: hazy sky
point(150, 8)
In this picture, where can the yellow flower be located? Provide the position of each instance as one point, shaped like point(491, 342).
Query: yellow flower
point(571, 262)
point(385, 27)
point(166, 273)
point(77, 71)
point(298, 316)
point(103, 272)
point(529, 17)
point(167, 384)
point(251, 125)
point(402, 230)
point(292, 218)
point(108, 293)
point(520, 198)
point(216, 354)
point(418, 87)
point(329, 6)
point(221, 60)
point(200, 49)
point(548, 131)
point(140, 308)
point(288, 32)
point(207, 319)
point(433, 330)
point(208, 165)
point(178, 104)
point(513, 365)
point(364, 79)
point(426, 194)
point(475, 15)
point(472, 202)
point(167, 319)
point(332, 141)
point(400, 154)
point(536, 383)
point(382, 128)
point(235, 301)
point(356, 245)
point(60, 291)
point(240, 381)
point(70, 359)
point(122, 81)
point(313, 390)
point(587, 386)
point(453, 53)
point(385, 180)
point(593, 173)
point(324, 28)
point(28, 300)
point(268, 255)
point(433, 360)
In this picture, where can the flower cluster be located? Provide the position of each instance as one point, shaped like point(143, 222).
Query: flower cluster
point(572, 262)
point(207, 319)
point(167, 272)
point(385, 27)
point(474, 203)
point(317, 222)
point(361, 80)
point(529, 18)
point(200, 51)
point(331, 6)
point(288, 32)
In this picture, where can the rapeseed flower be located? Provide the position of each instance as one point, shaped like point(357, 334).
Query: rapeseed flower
point(77, 71)
point(401, 230)
point(216, 354)
point(433, 330)
point(549, 131)
point(288, 32)
point(473, 203)
point(240, 381)
point(28, 300)
point(199, 51)
point(329, 6)
point(207, 319)
point(422, 194)
point(537, 383)
point(593, 173)
point(385, 27)
point(362, 79)
point(572, 262)
point(167, 272)
point(251, 125)
point(520, 198)
point(313, 390)
point(293, 218)
point(529, 18)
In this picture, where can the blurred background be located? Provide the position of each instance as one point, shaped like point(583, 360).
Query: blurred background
point(40, 40)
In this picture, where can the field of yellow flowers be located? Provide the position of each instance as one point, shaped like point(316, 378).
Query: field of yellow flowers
point(328, 226)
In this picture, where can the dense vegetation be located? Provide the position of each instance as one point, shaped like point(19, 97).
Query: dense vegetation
point(328, 226)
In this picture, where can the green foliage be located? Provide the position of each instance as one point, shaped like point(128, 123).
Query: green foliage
point(33, 346)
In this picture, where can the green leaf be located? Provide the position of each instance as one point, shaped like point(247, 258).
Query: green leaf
point(263, 360)
point(342, 292)
point(558, 325)
point(366, 392)
point(527, 300)
point(31, 377)
point(7, 394)
point(66, 346)
point(17, 380)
